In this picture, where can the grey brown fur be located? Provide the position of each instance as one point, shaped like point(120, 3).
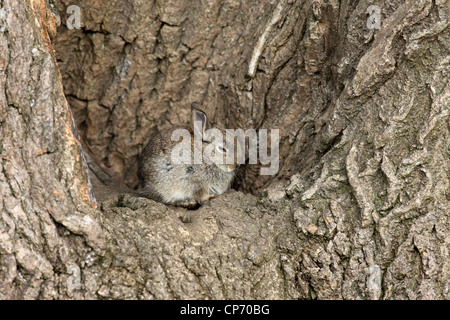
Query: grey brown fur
point(185, 185)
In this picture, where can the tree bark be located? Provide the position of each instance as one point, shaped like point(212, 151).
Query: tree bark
point(48, 217)
point(359, 209)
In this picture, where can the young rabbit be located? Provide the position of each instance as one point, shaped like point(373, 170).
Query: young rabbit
point(164, 179)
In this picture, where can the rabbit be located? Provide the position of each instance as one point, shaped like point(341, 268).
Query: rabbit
point(186, 185)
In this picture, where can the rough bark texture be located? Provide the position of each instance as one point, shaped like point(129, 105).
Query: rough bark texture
point(359, 210)
point(48, 217)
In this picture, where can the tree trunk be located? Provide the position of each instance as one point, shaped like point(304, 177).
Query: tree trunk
point(358, 210)
point(48, 216)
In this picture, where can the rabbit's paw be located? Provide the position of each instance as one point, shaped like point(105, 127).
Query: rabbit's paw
point(188, 204)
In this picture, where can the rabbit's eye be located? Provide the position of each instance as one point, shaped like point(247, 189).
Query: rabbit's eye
point(221, 149)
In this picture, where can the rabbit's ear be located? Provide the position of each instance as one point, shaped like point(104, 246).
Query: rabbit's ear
point(198, 120)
